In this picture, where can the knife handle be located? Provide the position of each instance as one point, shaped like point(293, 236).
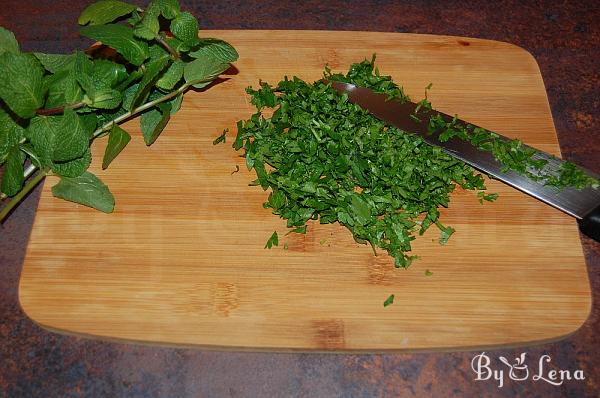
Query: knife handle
point(590, 224)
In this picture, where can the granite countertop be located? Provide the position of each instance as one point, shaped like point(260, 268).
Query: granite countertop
point(564, 38)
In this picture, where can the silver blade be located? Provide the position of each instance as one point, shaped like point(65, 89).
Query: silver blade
point(577, 203)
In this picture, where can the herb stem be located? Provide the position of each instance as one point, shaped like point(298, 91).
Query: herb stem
point(107, 126)
point(23, 192)
point(59, 109)
point(167, 47)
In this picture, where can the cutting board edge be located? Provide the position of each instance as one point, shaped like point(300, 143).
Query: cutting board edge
point(277, 349)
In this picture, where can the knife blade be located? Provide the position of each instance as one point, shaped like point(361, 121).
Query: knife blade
point(583, 204)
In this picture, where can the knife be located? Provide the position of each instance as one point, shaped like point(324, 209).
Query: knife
point(583, 204)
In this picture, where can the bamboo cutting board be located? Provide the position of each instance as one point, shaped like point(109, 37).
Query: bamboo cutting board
point(181, 261)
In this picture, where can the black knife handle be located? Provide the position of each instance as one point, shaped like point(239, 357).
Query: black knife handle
point(590, 224)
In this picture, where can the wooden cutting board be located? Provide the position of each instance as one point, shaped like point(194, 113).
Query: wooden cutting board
point(181, 260)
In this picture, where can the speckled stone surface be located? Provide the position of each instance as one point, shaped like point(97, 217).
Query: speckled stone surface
point(564, 37)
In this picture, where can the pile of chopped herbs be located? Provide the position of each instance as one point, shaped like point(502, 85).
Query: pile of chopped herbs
point(326, 159)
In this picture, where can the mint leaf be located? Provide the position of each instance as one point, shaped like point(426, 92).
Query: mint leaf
point(176, 104)
point(105, 11)
point(71, 138)
point(12, 180)
point(55, 63)
point(83, 70)
point(201, 72)
point(221, 138)
point(87, 189)
point(185, 28)
point(389, 300)
point(40, 133)
point(73, 168)
point(168, 8)
point(154, 121)
point(273, 241)
point(177, 44)
point(10, 134)
point(119, 37)
point(117, 140)
point(62, 88)
point(172, 76)
point(108, 74)
point(21, 83)
point(153, 70)
point(216, 49)
point(446, 233)
point(8, 42)
point(106, 98)
point(148, 27)
point(360, 210)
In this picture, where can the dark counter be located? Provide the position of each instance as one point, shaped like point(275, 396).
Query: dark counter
point(564, 38)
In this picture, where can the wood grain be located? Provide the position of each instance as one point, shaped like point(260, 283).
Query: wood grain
point(181, 260)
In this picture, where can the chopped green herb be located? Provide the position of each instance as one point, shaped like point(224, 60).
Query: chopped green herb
point(490, 197)
point(323, 242)
point(273, 241)
point(325, 159)
point(389, 300)
point(514, 155)
point(328, 160)
point(221, 138)
point(285, 246)
point(428, 273)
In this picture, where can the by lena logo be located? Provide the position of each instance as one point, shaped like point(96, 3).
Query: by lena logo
point(519, 370)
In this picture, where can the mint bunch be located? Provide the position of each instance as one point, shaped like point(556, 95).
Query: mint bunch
point(53, 106)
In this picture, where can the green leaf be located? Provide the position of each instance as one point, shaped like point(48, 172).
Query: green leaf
point(172, 76)
point(153, 70)
point(73, 168)
point(201, 72)
point(12, 180)
point(8, 42)
point(41, 132)
point(105, 11)
point(273, 241)
point(360, 210)
point(148, 27)
point(177, 44)
point(185, 28)
point(55, 63)
point(128, 95)
point(108, 74)
point(21, 83)
point(107, 98)
point(446, 233)
point(83, 70)
point(389, 300)
point(62, 88)
point(153, 122)
point(221, 138)
point(10, 134)
point(119, 37)
point(176, 103)
point(168, 8)
point(71, 139)
point(217, 49)
point(117, 140)
point(87, 189)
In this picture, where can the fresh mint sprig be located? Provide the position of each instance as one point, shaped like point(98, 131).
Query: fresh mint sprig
point(53, 106)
